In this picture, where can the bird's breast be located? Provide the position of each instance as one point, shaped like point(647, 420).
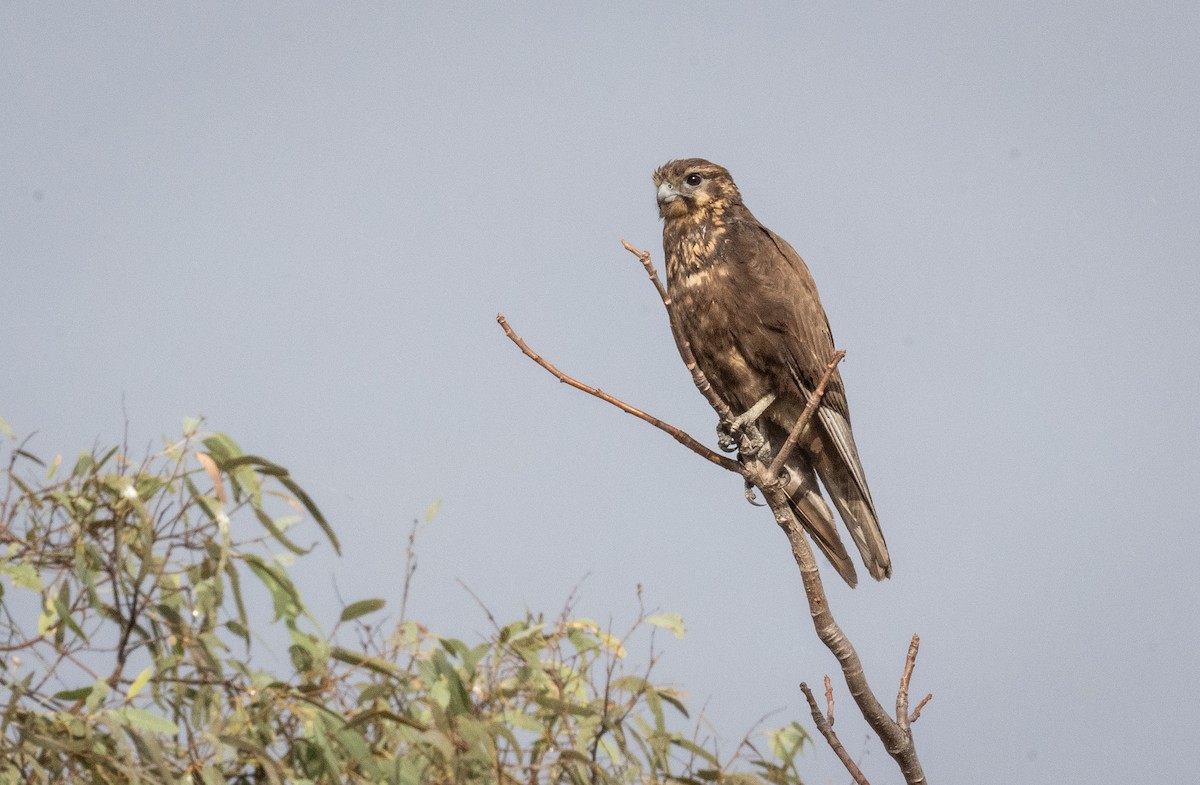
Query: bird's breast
point(711, 314)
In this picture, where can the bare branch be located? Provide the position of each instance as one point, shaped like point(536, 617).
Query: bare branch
point(896, 740)
point(680, 436)
point(825, 725)
point(903, 717)
point(910, 662)
point(644, 257)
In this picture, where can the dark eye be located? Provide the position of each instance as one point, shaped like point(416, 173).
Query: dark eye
point(693, 180)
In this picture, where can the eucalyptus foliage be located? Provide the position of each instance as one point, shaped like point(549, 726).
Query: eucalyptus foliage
point(130, 598)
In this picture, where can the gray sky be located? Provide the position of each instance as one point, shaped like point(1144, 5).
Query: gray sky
point(300, 221)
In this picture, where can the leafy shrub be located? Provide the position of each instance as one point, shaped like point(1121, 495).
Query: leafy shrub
point(127, 642)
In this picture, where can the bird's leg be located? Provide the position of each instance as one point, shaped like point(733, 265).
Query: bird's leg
point(727, 432)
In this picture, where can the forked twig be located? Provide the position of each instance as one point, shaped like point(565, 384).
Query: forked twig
point(825, 725)
point(903, 718)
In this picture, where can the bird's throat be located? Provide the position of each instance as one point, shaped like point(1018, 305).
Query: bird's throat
point(693, 243)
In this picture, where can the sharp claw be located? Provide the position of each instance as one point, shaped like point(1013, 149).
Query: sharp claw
point(751, 497)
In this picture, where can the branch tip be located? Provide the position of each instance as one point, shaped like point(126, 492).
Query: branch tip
point(916, 714)
point(825, 725)
point(680, 436)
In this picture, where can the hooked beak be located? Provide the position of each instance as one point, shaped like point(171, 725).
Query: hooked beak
point(667, 194)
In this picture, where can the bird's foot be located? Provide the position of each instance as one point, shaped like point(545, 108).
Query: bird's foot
point(728, 432)
point(725, 439)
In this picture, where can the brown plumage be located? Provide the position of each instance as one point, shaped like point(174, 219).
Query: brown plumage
point(746, 303)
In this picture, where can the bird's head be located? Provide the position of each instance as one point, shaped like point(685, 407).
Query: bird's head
point(693, 185)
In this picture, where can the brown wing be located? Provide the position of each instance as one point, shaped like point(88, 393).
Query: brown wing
point(795, 325)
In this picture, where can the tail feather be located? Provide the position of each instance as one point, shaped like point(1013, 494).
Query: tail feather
point(841, 473)
point(814, 514)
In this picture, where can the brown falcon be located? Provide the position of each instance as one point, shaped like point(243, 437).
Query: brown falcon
point(746, 303)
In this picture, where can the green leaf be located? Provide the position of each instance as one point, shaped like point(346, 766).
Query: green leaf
point(83, 465)
point(23, 574)
point(54, 464)
point(439, 692)
point(274, 772)
point(5, 430)
point(240, 625)
point(439, 741)
point(277, 533)
point(104, 458)
point(361, 608)
point(787, 741)
point(139, 682)
point(73, 695)
point(376, 664)
point(99, 692)
point(64, 612)
point(672, 622)
point(283, 593)
point(432, 510)
point(311, 506)
point(671, 697)
point(140, 718)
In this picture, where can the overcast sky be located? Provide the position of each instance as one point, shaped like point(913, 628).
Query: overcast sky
point(300, 221)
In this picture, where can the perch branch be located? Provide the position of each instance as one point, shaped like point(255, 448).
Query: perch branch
point(680, 436)
point(896, 740)
point(825, 725)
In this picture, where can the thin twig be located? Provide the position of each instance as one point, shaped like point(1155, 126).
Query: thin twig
point(410, 569)
point(829, 700)
point(685, 349)
point(814, 401)
point(644, 256)
point(680, 436)
point(825, 725)
point(903, 717)
point(910, 662)
point(916, 713)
